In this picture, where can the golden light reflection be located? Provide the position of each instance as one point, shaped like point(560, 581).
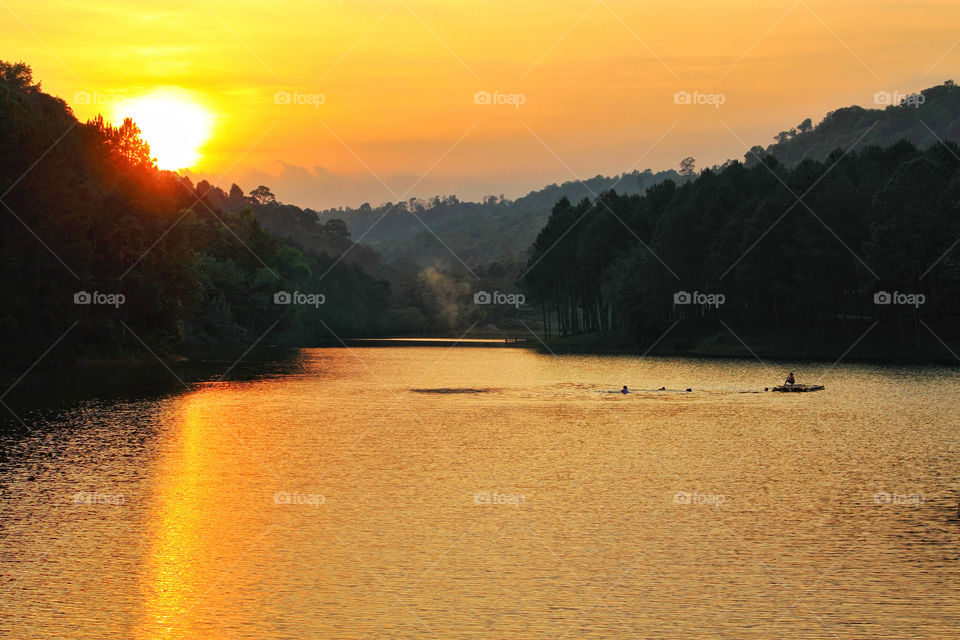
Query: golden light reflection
point(173, 582)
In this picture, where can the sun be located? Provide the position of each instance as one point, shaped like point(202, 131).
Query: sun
point(173, 123)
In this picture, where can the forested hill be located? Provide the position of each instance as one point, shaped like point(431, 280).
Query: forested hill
point(872, 248)
point(497, 229)
point(920, 118)
point(477, 232)
point(104, 254)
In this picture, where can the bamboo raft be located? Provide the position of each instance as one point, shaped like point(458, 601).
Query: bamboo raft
point(798, 388)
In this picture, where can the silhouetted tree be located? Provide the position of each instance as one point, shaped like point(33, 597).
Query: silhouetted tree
point(263, 195)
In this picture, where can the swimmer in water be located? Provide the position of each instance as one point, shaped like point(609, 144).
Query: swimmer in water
point(624, 390)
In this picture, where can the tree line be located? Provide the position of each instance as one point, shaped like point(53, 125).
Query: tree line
point(85, 210)
point(792, 251)
point(86, 217)
point(923, 117)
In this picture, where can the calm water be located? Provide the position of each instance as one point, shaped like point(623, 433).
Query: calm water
point(490, 493)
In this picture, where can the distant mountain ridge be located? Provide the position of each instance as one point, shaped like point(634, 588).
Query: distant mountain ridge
point(920, 118)
point(447, 232)
point(495, 229)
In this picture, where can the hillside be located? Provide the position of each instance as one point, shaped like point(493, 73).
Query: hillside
point(874, 250)
point(105, 254)
point(503, 230)
point(477, 232)
point(915, 118)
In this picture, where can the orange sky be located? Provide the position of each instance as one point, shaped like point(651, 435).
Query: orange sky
point(397, 80)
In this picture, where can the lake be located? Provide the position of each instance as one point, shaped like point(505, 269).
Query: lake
point(465, 492)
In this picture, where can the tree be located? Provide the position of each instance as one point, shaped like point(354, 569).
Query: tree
point(124, 141)
point(19, 75)
point(688, 166)
point(805, 126)
point(753, 156)
point(263, 195)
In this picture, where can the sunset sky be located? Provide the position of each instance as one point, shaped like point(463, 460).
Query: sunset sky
point(387, 87)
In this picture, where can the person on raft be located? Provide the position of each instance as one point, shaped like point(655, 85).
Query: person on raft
point(790, 379)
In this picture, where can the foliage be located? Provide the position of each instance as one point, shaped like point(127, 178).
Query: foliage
point(84, 208)
point(924, 118)
point(883, 219)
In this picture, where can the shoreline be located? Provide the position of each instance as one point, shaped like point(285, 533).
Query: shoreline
point(223, 357)
point(765, 350)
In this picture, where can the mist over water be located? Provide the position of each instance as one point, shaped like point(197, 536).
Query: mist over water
point(411, 492)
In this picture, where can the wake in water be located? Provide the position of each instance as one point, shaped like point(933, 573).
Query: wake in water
point(664, 390)
point(454, 390)
point(633, 391)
